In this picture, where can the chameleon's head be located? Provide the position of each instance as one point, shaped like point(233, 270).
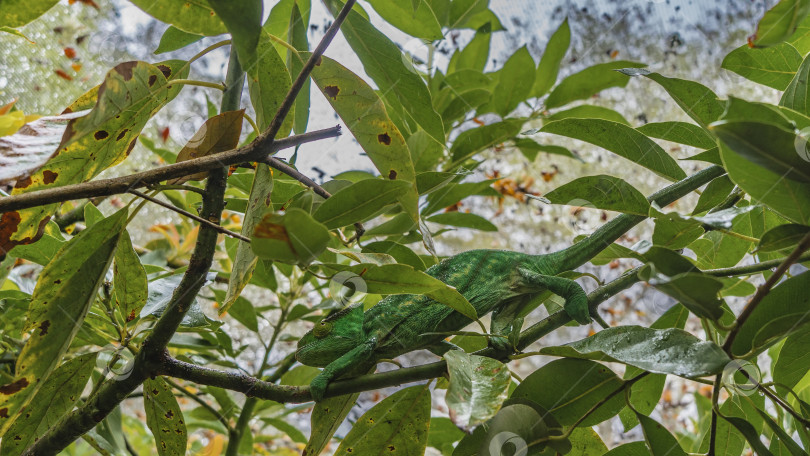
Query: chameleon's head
point(332, 337)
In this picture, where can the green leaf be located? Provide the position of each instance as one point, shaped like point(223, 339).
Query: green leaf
point(375, 258)
point(268, 84)
point(454, 193)
point(668, 351)
point(674, 232)
point(530, 149)
point(40, 252)
point(164, 417)
point(549, 66)
point(780, 22)
point(782, 312)
point(420, 22)
point(630, 449)
point(402, 254)
point(697, 100)
point(443, 434)
point(710, 156)
point(696, 291)
point(478, 387)
point(299, 25)
point(160, 294)
point(767, 146)
point(174, 38)
point(782, 237)
point(327, 416)
point(463, 220)
point(360, 201)
point(129, 280)
point(589, 82)
point(243, 20)
point(403, 279)
point(679, 132)
point(365, 115)
point(398, 424)
point(658, 438)
point(602, 192)
point(474, 140)
point(65, 290)
point(515, 82)
point(475, 54)
point(714, 194)
point(383, 62)
point(589, 112)
point(193, 17)
point(245, 260)
point(751, 435)
point(95, 142)
point(294, 237)
point(59, 392)
point(794, 360)
point(780, 435)
point(569, 388)
point(462, 11)
point(774, 66)
point(16, 13)
point(788, 198)
point(621, 140)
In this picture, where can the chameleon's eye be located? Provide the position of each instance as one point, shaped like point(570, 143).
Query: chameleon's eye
point(322, 329)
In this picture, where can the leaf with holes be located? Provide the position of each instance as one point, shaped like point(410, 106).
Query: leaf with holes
point(218, 134)
point(478, 387)
point(65, 290)
point(57, 396)
point(365, 116)
point(122, 105)
point(396, 425)
point(164, 417)
point(129, 278)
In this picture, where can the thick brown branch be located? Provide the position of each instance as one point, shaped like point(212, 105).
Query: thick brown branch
point(255, 151)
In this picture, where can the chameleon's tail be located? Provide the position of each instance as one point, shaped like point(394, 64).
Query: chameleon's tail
point(581, 252)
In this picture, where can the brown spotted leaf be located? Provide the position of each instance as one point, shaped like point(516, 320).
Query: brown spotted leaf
point(24, 152)
point(121, 106)
point(56, 397)
point(129, 278)
point(65, 290)
point(364, 114)
point(164, 418)
point(217, 134)
point(398, 425)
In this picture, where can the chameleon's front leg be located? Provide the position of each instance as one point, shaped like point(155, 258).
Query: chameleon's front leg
point(576, 301)
point(349, 362)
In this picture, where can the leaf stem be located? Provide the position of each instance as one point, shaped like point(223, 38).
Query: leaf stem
point(193, 82)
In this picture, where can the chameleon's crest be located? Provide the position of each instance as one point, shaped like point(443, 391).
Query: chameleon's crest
point(332, 337)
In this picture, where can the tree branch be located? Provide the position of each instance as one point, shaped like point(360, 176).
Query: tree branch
point(255, 151)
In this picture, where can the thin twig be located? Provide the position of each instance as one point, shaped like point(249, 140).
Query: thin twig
point(259, 148)
point(185, 213)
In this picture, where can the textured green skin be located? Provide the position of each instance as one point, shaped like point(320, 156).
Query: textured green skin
point(497, 281)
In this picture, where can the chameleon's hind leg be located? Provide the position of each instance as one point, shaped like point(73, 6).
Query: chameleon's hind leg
point(505, 325)
point(443, 347)
point(576, 301)
point(349, 362)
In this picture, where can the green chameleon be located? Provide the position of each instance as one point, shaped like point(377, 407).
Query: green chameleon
point(350, 341)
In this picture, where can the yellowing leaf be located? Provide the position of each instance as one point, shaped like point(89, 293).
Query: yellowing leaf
point(164, 418)
point(365, 116)
point(217, 134)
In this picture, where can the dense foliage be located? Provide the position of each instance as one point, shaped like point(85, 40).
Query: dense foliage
point(104, 341)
